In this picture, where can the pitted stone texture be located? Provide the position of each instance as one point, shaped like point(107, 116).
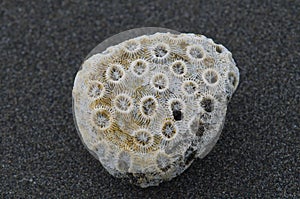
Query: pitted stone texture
point(147, 107)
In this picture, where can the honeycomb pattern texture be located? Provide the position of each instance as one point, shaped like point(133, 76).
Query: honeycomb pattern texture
point(147, 107)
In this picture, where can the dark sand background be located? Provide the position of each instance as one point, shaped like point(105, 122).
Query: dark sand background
point(42, 44)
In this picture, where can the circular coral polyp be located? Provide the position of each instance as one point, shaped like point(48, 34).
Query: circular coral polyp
point(139, 67)
point(96, 90)
point(232, 79)
point(160, 82)
point(123, 103)
point(219, 49)
point(169, 130)
point(207, 104)
point(132, 46)
point(195, 52)
point(189, 87)
point(176, 106)
point(160, 52)
point(210, 76)
point(143, 137)
point(149, 104)
point(102, 119)
point(178, 68)
point(115, 73)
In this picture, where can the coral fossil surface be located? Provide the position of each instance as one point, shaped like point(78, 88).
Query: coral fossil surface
point(147, 107)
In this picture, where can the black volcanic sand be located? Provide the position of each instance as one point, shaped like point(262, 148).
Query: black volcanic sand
point(43, 44)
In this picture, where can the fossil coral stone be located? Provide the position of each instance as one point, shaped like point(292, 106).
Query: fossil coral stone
point(147, 107)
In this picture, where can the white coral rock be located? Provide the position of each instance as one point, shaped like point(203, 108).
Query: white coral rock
point(147, 107)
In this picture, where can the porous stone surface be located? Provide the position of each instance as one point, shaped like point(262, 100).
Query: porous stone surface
point(147, 107)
